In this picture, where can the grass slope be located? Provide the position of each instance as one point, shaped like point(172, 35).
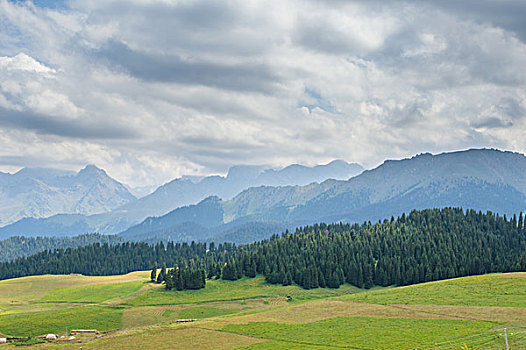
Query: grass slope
point(252, 314)
point(205, 312)
point(245, 288)
point(56, 321)
point(371, 333)
point(170, 338)
point(22, 294)
point(95, 293)
point(488, 290)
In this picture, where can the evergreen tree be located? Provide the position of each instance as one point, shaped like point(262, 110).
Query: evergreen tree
point(169, 281)
point(162, 275)
point(153, 275)
point(179, 281)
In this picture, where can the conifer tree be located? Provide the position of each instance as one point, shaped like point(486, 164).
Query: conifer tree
point(162, 274)
point(153, 275)
point(179, 282)
point(169, 281)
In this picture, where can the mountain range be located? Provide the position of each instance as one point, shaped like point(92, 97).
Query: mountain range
point(251, 203)
point(40, 192)
point(117, 216)
point(481, 179)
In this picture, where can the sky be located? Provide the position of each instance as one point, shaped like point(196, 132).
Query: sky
point(153, 90)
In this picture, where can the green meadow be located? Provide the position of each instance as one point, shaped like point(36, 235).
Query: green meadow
point(96, 293)
point(371, 332)
point(486, 290)
point(245, 288)
point(57, 321)
point(464, 313)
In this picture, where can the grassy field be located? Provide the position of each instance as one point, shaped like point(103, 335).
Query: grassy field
point(245, 288)
point(168, 339)
point(199, 312)
point(487, 290)
point(56, 321)
point(368, 332)
point(95, 293)
point(466, 313)
point(23, 294)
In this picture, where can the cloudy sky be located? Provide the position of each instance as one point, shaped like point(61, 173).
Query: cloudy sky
point(151, 90)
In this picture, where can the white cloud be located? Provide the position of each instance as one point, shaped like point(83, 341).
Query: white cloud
point(23, 62)
point(153, 90)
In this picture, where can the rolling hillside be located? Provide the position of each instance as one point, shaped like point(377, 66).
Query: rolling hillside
point(251, 314)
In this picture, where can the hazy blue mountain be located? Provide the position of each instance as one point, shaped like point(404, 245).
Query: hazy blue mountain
point(40, 192)
point(479, 179)
point(187, 191)
point(141, 191)
point(302, 175)
point(177, 193)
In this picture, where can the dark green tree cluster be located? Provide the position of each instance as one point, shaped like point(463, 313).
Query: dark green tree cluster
point(102, 259)
point(422, 246)
point(183, 277)
point(179, 277)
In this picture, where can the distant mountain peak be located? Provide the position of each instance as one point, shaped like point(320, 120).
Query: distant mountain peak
point(338, 162)
point(211, 199)
point(92, 169)
point(423, 155)
point(43, 192)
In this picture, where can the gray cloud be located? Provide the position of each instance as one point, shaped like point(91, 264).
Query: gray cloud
point(192, 28)
point(507, 14)
point(492, 122)
point(44, 124)
point(322, 36)
point(512, 108)
point(164, 68)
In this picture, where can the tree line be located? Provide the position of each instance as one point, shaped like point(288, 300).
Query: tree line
point(18, 246)
point(422, 246)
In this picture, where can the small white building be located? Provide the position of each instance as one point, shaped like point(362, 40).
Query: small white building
point(3, 340)
point(51, 337)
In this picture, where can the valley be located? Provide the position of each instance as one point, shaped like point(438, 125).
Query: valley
point(279, 175)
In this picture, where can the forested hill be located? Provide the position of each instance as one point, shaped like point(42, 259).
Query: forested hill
point(19, 246)
point(425, 245)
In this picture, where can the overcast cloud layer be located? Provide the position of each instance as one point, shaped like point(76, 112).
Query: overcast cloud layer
point(151, 90)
